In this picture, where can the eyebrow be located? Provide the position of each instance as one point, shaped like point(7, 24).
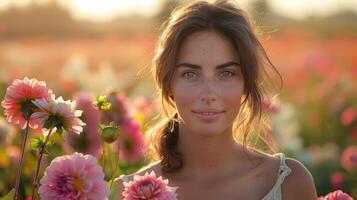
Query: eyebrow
point(190, 65)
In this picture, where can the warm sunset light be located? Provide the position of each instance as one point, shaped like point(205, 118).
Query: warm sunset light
point(100, 10)
point(300, 9)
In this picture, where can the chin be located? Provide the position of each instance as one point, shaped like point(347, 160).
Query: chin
point(208, 131)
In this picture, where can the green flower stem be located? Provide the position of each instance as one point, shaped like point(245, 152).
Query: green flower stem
point(103, 152)
point(115, 166)
point(19, 170)
point(103, 156)
point(42, 151)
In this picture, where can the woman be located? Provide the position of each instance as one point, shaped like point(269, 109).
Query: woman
point(209, 67)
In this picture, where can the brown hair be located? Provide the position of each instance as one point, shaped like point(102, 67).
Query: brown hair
point(225, 18)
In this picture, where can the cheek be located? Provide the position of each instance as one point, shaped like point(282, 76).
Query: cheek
point(232, 97)
point(184, 96)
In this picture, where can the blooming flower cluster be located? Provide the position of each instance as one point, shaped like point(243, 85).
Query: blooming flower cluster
point(28, 103)
point(30, 99)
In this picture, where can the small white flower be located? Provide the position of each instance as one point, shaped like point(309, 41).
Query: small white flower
point(61, 112)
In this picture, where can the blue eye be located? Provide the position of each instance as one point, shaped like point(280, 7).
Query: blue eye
point(189, 75)
point(227, 73)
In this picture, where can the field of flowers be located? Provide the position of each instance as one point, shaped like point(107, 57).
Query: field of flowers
point(314, 119)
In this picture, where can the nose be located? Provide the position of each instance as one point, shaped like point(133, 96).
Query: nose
point(208, 99)
point(208, 93)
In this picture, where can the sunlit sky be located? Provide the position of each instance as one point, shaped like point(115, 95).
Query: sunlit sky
point(101, 10)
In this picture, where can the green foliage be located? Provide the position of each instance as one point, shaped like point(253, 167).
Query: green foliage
point(37, 143)
point(9, 196)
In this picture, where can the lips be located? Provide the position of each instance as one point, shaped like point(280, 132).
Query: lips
point(208, 115)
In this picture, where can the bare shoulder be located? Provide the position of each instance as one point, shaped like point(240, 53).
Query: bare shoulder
point(155, 167)
point(299, 184)
point(119, 182)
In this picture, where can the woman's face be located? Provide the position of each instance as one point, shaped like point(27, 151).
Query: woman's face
point(208, 84)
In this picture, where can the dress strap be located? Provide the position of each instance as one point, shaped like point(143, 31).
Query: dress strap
point(284, 169)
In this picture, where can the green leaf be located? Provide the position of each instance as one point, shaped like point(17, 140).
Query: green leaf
point(9, 196)
point(46, 152)
point(37, 143)
point(101, 127)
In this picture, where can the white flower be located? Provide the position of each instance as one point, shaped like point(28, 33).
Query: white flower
point(59, 114)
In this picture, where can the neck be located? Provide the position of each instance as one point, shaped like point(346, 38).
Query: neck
point(204, 156)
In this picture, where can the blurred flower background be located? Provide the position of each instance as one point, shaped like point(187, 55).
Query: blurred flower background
point(83, 49)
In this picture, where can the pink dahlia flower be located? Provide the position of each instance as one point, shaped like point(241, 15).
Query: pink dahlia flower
point(75, 176)
point(349, 158)
point(336, 195)
point(17, 102)
point(131, 142)
point(148, 187)
point(62, 111)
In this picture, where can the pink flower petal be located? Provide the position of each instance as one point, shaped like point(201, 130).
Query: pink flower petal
point(75, 176)
point(149, 187)
point(23, 91)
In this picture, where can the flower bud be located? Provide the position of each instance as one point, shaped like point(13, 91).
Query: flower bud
point(102, 103)
point(108, 133)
